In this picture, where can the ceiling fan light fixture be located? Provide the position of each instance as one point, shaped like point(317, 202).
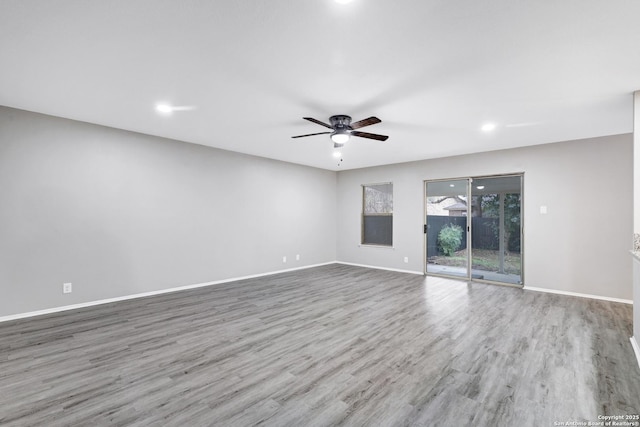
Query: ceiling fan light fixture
point(340, 137)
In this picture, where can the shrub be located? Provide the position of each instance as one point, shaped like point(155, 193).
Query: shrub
point(450, 239)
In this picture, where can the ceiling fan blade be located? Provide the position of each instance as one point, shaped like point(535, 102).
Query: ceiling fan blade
point(365, 122)
point(311, 134)
point(311, 119)
point(370, 135)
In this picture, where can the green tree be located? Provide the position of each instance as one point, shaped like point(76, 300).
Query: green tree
point(490, 208)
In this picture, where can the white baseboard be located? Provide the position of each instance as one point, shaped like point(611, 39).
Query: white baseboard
point(636, 349)
point(253, 276)
point(380, 268)
point(148, 294)
point(576, 294)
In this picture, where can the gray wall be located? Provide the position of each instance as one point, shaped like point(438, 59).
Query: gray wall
point(582, 245)
point(118, 213)
point(636, 209)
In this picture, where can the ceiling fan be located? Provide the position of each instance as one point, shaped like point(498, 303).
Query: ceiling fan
point(342, 129)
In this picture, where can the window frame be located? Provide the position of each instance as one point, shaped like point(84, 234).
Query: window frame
point(363, 214)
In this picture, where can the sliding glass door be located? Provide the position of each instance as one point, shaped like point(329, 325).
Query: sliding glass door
point(474, 228)
point(497, 229)
point(446, 227)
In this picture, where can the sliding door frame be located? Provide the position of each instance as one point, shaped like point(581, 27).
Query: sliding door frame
point(424, 216)
point(470, 225)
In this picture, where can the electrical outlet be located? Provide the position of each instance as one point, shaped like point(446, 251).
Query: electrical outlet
point(284, 259)
point(406, 260)
point(298, 257)
point(67, 288)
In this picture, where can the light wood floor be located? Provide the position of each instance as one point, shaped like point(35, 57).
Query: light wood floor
point(333, 345)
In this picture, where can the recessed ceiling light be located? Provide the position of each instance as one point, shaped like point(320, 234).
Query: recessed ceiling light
point(480, 187)
point(169, 109)
point(452, 185)
point(337, 154)
point(164, 108)
point(488, 127)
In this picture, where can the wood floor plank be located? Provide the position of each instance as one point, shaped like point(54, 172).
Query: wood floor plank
point(332, 345)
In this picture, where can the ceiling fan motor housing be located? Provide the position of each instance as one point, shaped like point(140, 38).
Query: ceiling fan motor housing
point(340, 121)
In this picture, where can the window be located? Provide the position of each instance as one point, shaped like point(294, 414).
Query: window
point(377, 214)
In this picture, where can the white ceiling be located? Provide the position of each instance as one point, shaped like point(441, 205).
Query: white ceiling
point(433, 71)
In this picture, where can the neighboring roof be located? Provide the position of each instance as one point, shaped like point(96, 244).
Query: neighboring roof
point(457, 207)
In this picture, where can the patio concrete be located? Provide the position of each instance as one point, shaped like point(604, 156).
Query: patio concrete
point(475, 274)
